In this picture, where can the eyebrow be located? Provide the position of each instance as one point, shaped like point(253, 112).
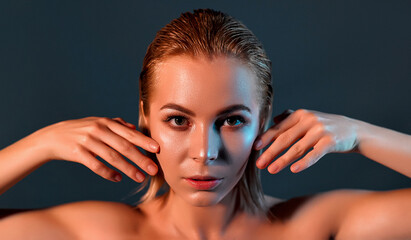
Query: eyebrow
point(229, 109)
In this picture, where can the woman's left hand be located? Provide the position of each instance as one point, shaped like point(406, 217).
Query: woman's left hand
point(304, 132)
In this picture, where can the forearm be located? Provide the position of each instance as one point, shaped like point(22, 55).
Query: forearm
point(19, 160)
point(385, 146)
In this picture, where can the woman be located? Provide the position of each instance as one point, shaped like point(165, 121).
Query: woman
point(205, 104)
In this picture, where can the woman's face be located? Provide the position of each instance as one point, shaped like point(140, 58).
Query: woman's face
point(204, 115)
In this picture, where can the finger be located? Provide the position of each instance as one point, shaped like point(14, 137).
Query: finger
point(86, 158)
point(281, 143)
point(115, 159)
point(135, 137)
point(126, 148)
point(279, 118)
point(296, 151)
point(120, 120)
point(323, 147)
point(274, 131)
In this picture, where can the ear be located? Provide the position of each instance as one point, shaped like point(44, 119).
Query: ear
point(262, 125)
point(266, 121)
point(143, 116)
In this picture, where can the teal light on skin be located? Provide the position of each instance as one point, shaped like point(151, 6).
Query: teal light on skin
point(199, 132)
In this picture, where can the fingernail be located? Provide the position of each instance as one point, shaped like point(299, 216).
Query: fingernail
point(295, 168)
point(140, 177)
point(154, 146)
point(273, 169)
point(117, 178)
point(260, 164)
point(152, 169)
point(258, 144)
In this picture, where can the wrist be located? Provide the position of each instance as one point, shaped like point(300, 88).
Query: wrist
point(37, 148)
point(364, 135)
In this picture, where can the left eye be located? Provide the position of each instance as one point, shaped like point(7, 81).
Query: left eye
point(234, 121)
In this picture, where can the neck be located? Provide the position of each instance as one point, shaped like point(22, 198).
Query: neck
point(194, 222)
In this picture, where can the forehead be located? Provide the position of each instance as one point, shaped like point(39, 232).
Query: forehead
point(204, 84)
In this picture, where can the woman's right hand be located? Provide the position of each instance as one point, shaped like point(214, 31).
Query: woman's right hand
point(81, 140)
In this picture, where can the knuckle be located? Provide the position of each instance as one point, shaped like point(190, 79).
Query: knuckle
point(119, 120)
point(329, 139)
point(297, 150)
point(97, 167)
point(86, 139)
point(128, 135)
point(269, 153)
point(283, 160)
point(319, 128)
point(285, 138)
point(95, 127)
point(125, 147)
point(311, 117)
point(102, 122)
point(300, 111)
point(142, 162)
point(113, 156)
point(306, 115)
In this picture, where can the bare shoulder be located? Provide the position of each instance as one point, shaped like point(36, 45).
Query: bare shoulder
point(298, 208)
point(94, 209)
point(79, 220)
point(347, 214)
point(378, 215)
point(313, 216)
point(98, 219)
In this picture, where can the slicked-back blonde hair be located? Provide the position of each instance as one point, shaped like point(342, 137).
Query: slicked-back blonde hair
point(206, 32)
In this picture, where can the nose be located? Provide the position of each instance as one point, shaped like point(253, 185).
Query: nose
point(205, 142)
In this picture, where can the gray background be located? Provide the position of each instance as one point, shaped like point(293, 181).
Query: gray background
point(71, 59)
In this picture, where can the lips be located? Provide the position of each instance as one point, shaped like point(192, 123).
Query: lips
point(203, 182)
point(204, 178)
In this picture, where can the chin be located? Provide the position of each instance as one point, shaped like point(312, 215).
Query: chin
point(203, 198)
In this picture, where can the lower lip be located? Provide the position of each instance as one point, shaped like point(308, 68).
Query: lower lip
point(203, 184)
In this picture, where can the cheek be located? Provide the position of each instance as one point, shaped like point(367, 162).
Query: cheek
point(172, 146)
point(239, 143)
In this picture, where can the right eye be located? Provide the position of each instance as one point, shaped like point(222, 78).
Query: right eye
point(176, 121)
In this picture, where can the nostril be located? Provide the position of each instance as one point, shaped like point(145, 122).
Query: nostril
point(212, 157)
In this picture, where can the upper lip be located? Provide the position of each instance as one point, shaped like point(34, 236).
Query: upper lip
point(203, 177)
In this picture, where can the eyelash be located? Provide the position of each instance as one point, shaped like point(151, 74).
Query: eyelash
point(235, 117)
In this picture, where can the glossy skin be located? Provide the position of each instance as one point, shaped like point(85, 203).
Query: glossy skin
point(210, 144)
point(203, 142)
point(198, 139)
point(350, 215)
